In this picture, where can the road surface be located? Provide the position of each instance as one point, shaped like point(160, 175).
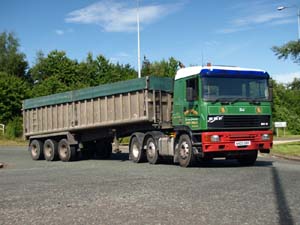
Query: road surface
point(118, 191)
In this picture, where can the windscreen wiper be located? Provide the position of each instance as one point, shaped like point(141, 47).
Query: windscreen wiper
point(223, 101)
point(256, 101)
point(236, 100)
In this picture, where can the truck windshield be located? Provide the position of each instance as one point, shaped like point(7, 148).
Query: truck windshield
point(234, 89)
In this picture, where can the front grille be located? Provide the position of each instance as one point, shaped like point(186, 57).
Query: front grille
point(235, 137)
point(238, 121)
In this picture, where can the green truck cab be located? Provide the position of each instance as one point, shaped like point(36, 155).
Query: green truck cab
point(226, 110)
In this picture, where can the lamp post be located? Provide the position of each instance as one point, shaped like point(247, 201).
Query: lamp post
point(280, 8)
point(138, 39)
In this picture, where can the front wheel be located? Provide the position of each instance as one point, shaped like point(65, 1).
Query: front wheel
point(185, 151)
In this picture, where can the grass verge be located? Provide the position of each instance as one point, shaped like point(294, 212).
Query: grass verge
point(12, 142)
point(287, 149)
point(286, 137)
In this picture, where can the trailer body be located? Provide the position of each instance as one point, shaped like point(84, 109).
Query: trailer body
point(139, 102)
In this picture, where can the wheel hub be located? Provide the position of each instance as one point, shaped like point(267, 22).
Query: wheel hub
point(63, 151)
point(184, 150)
point(135, 151)
point(34, 150)
point(151, 149)
point(48, 151)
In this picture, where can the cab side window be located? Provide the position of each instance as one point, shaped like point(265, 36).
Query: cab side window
point(192, 89)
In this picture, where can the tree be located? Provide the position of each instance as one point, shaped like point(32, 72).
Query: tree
point(161, 68)
point(13, 90)
point(295, 84)
point(55, 73)
point(291, 49)
point(88, 70)
point(12, 61)
point(286, 105)
point(101, 71)
point(55, 64)
point(287, 97)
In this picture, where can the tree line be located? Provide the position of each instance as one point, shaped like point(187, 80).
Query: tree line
point(56, 72)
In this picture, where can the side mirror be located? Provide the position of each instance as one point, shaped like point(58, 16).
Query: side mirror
point(189, 94)
point(271, 89)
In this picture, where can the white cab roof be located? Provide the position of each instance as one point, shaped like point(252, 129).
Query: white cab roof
point(193, 70)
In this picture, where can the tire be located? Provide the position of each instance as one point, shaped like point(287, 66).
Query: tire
point(65, 151)
point(36, 149)
point(185, 151)
point(50, 150)
point(103, 149)
point(249, 159)
point(152, 151)
point(136, 154)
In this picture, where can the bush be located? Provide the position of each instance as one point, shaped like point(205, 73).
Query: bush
point(14, 128)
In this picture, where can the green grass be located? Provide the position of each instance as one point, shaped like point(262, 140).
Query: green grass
point(288, 149)
point(12, 142)
point(124, 140)
point(286, 136)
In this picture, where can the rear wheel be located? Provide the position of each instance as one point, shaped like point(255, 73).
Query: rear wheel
point(249, 159)
point(185, 151)
point(136, 153)
point(65, 151)
point(50, 150)
point(152, 151)
point(36, 149)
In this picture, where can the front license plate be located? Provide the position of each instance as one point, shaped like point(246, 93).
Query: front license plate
point(242, 143)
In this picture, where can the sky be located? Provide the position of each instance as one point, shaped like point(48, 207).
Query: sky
point(232, 32)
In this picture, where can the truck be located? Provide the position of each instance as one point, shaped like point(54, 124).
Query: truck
point(205, 112)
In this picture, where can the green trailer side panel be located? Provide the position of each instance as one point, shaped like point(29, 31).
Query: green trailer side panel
point(110, 89)
point(161, 83)
point(48, 100)
point(155, 83)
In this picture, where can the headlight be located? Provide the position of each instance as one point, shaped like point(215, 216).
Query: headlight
point(265, 137)
point(215, 138)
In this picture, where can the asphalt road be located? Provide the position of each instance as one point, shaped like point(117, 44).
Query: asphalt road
point(118, 191)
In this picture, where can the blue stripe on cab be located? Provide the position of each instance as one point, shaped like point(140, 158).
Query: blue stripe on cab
point(233, 73)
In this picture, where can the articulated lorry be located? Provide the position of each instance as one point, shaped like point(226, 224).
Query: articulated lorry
point(203, 113)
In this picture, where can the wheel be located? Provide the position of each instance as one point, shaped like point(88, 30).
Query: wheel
point(185, 151)
point(136, 153)
point(50, 150)
point(249, 159)
point(36, 149)
point(152, 151)
point(103, 149)
point(65, 151)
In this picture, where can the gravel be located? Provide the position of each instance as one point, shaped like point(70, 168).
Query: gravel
point(118, 191)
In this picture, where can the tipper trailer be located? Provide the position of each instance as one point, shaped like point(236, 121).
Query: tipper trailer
point(204, 113)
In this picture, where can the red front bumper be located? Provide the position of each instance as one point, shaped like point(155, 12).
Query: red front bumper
point(230, 141)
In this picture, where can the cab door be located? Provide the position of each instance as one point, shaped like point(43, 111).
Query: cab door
point(191, 104)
